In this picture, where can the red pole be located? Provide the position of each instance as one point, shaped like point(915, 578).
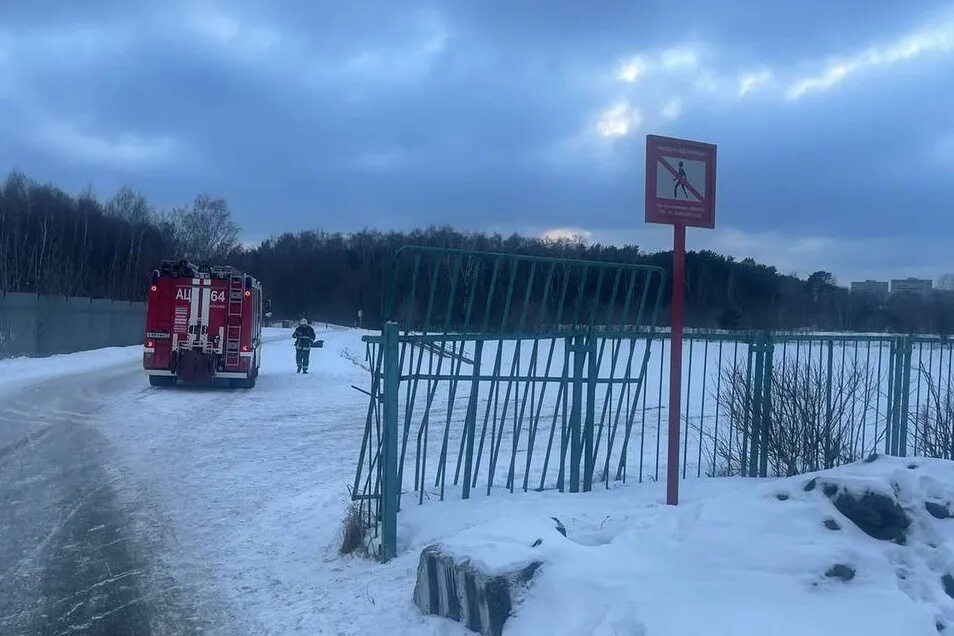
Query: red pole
point(675, 362)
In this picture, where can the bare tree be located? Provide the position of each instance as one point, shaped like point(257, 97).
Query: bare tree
point(205, 230)
point(129, 205)
point(55, 243)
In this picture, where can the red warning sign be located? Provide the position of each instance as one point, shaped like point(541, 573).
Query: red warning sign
point(680, 182)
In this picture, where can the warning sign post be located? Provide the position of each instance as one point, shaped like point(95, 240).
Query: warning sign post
point(680, 191)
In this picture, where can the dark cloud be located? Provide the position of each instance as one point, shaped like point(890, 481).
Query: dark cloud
point(833, 123)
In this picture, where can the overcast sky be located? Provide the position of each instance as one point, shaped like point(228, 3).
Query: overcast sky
point(834, 120)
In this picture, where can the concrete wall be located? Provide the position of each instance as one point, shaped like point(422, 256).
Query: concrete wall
point(33, 325)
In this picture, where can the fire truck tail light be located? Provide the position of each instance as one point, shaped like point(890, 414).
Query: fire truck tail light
point(150, 344)
point(244, 347)
point(153, 288)
point(247, 293)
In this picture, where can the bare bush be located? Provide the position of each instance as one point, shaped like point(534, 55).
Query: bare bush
point(808, 429)
point(934, 423)
point(354, 532)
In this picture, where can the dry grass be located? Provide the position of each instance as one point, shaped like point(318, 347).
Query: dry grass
point(354, 532)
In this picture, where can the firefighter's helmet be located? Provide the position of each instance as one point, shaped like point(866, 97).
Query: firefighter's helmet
point(302, 322)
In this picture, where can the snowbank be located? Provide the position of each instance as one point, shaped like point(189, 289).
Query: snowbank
point(15, 372)
point(753, 558)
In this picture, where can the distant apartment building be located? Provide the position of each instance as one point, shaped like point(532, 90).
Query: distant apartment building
point(911, 286)
point(875, 289)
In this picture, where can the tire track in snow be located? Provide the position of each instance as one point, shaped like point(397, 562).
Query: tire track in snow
point(72, 560)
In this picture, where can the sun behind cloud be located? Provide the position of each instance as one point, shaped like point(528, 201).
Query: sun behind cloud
point(618, 120)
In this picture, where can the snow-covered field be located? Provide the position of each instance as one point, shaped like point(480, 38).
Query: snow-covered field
point(244, 492)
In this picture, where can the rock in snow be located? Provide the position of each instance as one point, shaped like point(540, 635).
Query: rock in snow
point(877, 515)
point(461, 591)
point(477, 576)
point(841, 571)
point(936, 510)
point(948, 582)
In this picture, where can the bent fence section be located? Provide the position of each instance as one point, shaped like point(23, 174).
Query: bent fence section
point(502, 372)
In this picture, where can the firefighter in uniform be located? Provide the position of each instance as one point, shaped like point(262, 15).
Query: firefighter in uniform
point(304, 338)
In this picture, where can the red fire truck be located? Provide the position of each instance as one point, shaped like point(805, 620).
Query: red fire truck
point(203, 325)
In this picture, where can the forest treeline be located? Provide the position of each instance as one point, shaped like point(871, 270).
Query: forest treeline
point(52, 242)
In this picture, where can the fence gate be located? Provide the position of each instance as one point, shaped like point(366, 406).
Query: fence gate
point(501, 372)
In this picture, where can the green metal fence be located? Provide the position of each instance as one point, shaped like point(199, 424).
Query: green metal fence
point(505, 373)
point(782, 404)
point(502, 372)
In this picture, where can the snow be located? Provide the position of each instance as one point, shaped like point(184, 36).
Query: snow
point(739, 562)
point(732, 558)
point(247, 490)
point(17, 372)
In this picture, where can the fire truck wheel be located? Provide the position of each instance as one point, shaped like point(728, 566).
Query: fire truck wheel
point(243, 383)
point(162, 380)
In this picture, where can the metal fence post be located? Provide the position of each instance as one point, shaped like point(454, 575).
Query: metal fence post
point(767, 368)
point(829, 414)
point(589, 454)
point(899, 391)
point(563, 399)
point(756, 426)
point(576, 412)
point(908, 347)
point(388, 462)
point(889, 426)
point(746, 411)
point(470, 424)
point(898, 397)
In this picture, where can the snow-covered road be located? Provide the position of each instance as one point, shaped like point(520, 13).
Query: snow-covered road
point(72, 559)
point(127, 507)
